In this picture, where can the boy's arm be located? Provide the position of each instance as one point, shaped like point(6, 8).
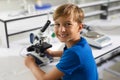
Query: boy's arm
point(39, 74)
point(54, 53)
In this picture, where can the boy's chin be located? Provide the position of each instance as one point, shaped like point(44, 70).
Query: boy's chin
point(62, 41)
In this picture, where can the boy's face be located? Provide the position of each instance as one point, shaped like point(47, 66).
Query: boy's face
point(66, 29)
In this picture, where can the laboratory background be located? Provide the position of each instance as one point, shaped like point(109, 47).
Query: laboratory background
point(27, 22)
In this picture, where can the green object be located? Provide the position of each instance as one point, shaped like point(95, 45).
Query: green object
point(53, 35)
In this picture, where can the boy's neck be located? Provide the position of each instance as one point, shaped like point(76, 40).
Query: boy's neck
point(70, 43)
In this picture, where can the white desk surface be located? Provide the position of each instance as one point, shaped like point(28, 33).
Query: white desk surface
point(110, 28)
point(12, 64)
point(21, 14)
point(13, 68)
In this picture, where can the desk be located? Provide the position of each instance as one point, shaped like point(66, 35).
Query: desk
point(111, 28)
point(12, 64)
point(14, 25)
point(13, 68)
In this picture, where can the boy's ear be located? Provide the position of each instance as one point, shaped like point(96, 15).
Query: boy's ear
point(80, 27)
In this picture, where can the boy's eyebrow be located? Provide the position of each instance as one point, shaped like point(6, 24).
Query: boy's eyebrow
point(68, 21)
point(56, 22)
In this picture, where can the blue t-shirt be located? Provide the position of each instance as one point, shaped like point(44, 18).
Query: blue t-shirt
point(77, 62)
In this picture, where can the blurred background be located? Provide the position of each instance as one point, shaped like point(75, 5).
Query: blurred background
point(19, 18)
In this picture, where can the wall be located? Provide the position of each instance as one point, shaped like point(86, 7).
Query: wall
point(10, 5)
point(13, 5)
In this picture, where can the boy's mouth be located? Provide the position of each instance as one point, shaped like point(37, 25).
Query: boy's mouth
point(63, 35)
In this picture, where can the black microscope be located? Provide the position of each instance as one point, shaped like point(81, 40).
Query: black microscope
point(37, 50)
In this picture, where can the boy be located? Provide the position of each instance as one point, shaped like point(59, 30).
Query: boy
point(76, 62)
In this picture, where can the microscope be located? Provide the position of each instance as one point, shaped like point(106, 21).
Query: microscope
point(37, 49)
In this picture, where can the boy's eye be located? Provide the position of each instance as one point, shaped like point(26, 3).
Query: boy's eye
point(57, 24)
point(67, 24)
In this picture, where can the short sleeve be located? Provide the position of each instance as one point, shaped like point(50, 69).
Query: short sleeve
point(68, 62)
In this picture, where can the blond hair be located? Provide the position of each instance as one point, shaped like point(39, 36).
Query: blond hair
point(68, 10)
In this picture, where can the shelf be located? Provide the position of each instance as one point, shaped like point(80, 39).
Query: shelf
point(114, 8)
point(6, 18)
point(97, 3)
point(94, 13)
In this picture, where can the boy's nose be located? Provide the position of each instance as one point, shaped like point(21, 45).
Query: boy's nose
point(62, 28)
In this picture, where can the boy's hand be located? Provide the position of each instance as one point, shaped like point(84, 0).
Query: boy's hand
point(30, 61)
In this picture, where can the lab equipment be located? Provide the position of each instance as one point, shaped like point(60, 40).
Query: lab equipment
point(37, 49)
point(40, 6)
point(96, 39)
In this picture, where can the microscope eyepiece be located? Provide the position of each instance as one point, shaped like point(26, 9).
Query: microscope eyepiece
point(45, 26)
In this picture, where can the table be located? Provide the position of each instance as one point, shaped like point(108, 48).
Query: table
point(13, 68)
